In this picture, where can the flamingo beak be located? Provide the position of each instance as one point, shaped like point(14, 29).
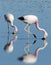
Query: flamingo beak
point(21, 18)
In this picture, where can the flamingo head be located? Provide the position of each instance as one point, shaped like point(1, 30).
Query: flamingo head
point(21, 18)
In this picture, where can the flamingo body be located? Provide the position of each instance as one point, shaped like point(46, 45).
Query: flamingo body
point(9, 18)
point(29, 19)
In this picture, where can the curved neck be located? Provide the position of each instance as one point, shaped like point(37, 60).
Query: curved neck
point(11, 42)
point(40, 48)
point(39, 28)
point(15, 28)
point(14, 39)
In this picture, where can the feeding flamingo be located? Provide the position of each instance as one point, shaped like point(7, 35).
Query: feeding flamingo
point(10, 18)
point(32, 19)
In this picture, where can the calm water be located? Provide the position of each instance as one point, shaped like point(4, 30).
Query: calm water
point(40, 8)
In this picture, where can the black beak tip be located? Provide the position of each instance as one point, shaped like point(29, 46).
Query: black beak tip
point(21, 18)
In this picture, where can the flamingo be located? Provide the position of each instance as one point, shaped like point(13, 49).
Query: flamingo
point(10, 18)
point(32, 58)
point(9, 46)
point(32, 19)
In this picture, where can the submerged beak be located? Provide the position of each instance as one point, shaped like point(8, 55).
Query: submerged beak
point(14, 33)
point(21, 18)
point(43, 38)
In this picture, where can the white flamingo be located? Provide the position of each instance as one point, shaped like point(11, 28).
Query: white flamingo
point(9, 46)
point(10, 18)
point(32, 19)
point(30, 58)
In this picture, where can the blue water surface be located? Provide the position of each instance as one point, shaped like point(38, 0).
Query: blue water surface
point(40, 8)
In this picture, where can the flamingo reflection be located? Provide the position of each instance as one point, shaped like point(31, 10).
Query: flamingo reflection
point(32, 58)
point(9, 46)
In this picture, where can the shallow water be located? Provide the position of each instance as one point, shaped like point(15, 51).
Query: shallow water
point(40, 8)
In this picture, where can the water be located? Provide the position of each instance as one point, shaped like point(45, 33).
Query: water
point(40, 8)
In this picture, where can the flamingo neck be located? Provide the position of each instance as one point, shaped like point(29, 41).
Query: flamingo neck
point(14, 39)
point(40, 48)
point(15, 28)
point(39, 28)
point(11, 42)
